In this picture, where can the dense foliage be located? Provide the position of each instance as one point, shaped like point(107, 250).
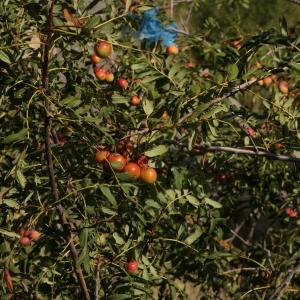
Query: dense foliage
point(218, 122)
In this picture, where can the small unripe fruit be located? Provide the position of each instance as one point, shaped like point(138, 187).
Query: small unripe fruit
point(34, 235)
point(103, 49)
point(24, 241)
point(123, 83)
point(95, 59)
point(135, 100)
point(172, 49)
point(132, 266)
point(283, 86)
point(100, 73)
point(148, 175)
point(109, 76)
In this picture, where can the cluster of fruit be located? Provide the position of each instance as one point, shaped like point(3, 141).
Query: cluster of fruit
point(103, 49)
point(283, 85)
point(27, 236)
point(129, 170)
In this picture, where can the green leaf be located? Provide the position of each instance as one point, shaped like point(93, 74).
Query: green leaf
point(9, 233)
point(193, 237)
point(109, 196)
point(70, 101)
point(11, 203)
point(21, 178)
point(119, 240)
point(16, 137)
point(148, 107)
point(156, 151)
point(193, 200)
point(212, 203)
point(233, 71)
point(4, 57)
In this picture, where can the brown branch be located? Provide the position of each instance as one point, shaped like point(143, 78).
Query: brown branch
point(241, 151)
point(53, 183)
point(234, 90)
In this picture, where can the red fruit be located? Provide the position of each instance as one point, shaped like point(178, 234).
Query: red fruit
point(34, 235)
point(291, 213)
point(109, 76)
point(135, 100)
point(142, 161)
point(172, 49)
point(101, 155)
point(117, 161)
point(132, 170)
point(251, 131)
point(103, 49)
point(100, 73)
point(283, 86)
point(25, 241)
point(236, 44)
point(148, 175)
point(123, 83)
point(268, 80)
point(189, 65)
point(95, 59)
point(132, 266)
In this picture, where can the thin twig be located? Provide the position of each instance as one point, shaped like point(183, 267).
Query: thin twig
point(284, 284)
point(220, 99)
point(53, 183)
point(209, 148)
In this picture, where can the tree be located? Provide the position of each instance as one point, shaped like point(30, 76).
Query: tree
point(220, 132)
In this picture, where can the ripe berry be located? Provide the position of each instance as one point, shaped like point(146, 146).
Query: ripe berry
point(148, 175)
point(95, 59)
point(24, 241)
point(267, 81)
point(132, 170)
point(251, 131)
point(103, 49)
point(135, 100)
point(117, 161)
point(172, 49)
point(132, 266)
point(100, 73)
point(34, 235)
point(123, 83)
point(283, 86)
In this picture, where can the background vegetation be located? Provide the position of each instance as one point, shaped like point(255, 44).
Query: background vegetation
point(220, 221)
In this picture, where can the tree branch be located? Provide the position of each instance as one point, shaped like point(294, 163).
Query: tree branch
point(234, 90)
point(53, 183)
point(209, 148)
point(295, 1)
